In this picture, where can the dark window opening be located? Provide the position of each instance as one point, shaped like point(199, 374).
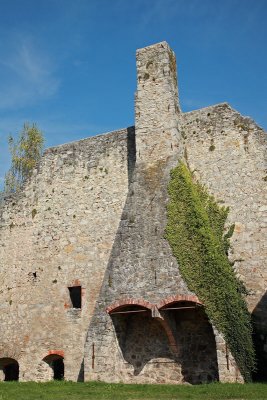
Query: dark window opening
point(58, 368)
point(76, 296)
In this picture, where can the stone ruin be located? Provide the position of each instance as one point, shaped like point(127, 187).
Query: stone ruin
point(90, 289)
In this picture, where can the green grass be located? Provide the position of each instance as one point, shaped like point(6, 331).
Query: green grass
point(105, 391)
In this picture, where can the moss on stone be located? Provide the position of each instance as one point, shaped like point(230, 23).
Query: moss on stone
point(34, 212)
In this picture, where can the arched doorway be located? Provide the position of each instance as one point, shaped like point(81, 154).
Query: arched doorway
point(10, 369)
point(144, 345)
point(55, 363)
point(171, 342)
point(195, 340)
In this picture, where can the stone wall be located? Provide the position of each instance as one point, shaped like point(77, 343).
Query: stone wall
point(93, 216)
point(59, 233)
point(227, 153)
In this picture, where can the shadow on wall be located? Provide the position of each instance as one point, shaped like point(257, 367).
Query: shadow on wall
point(131, 152)
point(81, 373)
point(144, 344)
point(259, 320)
point(141, 338)
point(195, 338)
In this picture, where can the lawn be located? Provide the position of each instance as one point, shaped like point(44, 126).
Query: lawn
point(97, 390)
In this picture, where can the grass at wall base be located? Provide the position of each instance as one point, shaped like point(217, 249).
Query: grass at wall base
point(105, 391)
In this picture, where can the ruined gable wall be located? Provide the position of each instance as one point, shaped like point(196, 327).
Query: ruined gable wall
point(227, 153)
point(59, 232)
point(86, 218)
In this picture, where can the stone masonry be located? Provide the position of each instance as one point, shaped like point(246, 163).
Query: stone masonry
point(91, 221)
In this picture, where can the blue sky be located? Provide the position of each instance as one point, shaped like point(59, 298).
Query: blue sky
point(69, 65)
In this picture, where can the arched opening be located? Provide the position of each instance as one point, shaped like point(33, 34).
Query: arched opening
point(144, 345)
point(124, 303)
point(55, 363)
point(195, 340)
point(171, 342)
point(10, 369)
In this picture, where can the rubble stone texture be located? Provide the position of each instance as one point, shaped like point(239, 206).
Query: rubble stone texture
point(93, 215)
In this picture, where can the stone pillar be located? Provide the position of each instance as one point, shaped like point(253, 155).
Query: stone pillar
point(156, 104)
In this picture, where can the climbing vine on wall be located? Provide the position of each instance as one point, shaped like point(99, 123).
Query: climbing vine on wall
point(196, 233)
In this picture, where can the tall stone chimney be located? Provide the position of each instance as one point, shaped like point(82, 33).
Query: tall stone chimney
point(156, 104)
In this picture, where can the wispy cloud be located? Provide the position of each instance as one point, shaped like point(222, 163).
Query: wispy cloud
point(27, 74)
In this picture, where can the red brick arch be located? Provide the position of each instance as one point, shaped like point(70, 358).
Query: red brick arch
point(174, 299)
point(119, 304)
point(55, 352)
point(128, 302)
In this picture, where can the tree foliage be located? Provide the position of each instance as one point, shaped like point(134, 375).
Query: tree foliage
point(25, 153)
point(196, 233)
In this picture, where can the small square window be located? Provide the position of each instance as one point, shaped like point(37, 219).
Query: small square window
point(76, 296)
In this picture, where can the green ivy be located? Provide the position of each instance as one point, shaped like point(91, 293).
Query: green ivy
point(196, 233)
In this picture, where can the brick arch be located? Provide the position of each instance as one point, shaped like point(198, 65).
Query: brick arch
point(174, 299)
point(129, 302)
point(75, 282)
point(54, 352)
